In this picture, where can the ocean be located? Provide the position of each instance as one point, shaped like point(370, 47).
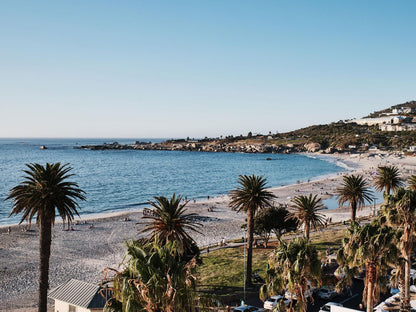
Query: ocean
point(119, 180)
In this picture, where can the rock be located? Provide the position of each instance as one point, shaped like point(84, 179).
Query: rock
point(312, 147)
point(329, 150)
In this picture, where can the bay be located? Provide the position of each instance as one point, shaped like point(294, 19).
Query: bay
point(119, 180)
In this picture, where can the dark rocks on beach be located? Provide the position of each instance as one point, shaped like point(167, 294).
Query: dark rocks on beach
point(213, 147)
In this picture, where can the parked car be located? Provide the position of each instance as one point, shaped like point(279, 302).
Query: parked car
point(247, 308)
point(308, 293)
point(271, 302)
point(383, 306)
point(327, 306)
point(327, 292)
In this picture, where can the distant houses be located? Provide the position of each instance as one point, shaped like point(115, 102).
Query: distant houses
point(373, 121)
point(391, 121)
point(403, 110)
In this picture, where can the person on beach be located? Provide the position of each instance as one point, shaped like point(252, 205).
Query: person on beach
point(9, 230)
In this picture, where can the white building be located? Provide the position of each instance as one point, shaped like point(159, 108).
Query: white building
point(398, 127)
point(402, 110)
point(78, 296)
point(373, 121)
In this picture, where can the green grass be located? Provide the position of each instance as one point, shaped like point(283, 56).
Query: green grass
point(330, 238)
point(224, 267)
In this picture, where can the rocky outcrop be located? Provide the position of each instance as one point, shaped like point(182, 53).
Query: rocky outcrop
point(214, 147)
point(312, 147)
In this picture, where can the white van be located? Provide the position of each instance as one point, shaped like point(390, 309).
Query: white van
point(327, 306)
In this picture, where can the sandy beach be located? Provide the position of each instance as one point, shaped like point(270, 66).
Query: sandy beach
point(84, 252)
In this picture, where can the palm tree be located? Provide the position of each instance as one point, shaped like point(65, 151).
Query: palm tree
point(249, 196)
point(169, 222)
point(306, 210)
point(44, 191)
point(372, 246)
point(155, 279)
point(401, 212)
point(412, 182)
point(293, 266)
point(273, 220)
point(388, 178)
point(356, 191)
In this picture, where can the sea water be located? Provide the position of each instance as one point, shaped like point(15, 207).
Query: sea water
point(118, 180)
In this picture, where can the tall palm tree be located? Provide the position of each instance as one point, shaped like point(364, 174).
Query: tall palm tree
point(294, 266)
point(356, 191)
point(388, 178)
point(412, 182)
point(169, 222)
point(372, 246)
point(249, 196)
point(306, 210)
point(44, 192)
point(401, 212)
point(155, 279)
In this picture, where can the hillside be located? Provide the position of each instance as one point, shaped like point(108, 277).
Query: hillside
point(338, 137)
point(410, 104)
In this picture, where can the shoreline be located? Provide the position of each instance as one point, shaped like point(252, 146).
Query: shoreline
point(102, 216)
point(84, 252)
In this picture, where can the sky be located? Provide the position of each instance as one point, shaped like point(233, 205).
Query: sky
point(172, 69)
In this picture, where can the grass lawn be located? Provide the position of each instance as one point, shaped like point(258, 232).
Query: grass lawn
point(224, 267)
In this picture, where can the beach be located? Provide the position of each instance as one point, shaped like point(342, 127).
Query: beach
point(98, 242)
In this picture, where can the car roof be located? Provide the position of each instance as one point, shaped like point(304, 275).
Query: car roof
point(333, 303)
point(275, 297)
point(243, 308)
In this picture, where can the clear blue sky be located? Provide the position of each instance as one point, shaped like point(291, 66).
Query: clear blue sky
point(199, 68)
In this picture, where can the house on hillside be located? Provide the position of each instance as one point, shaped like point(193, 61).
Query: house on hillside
point(403, 110)
point(372, 121)
point(78, 296)
point(390, 123)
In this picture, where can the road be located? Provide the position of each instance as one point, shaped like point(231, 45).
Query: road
point(349, 301)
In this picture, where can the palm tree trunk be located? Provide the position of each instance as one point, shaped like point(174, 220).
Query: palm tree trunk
point(406, 301)
point(353, 210)
point(401, 285)
point(250, 227)
point(406, 251)
point(45, 238)
point(371, 279)
point(307, 229)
